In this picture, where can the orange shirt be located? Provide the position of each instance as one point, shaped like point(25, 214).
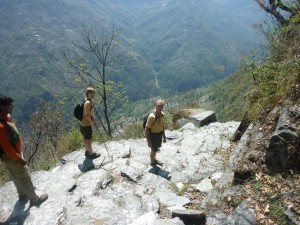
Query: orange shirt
point(14, 153)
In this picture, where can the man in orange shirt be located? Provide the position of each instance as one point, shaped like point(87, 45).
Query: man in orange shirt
point(11, 155)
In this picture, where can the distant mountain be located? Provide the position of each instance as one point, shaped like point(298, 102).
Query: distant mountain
point(176, 45)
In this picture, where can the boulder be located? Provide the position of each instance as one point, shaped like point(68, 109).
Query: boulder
point(218, 217)
point(204, 186)
point(199, 119)
point(172, 134)
point(284, 147)
point(292, 215)
point(203, 118)
point(171, 199)
point(243, 214)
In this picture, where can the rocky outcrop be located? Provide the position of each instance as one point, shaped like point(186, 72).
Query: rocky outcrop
point(242, 128)
point(202, 175)
point(198, 117)
point(122, 188)
point(202, 169)
point(284, 148)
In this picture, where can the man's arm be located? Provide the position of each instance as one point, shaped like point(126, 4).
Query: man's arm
point(148, 129)
point(147, 134)
point(164, 136)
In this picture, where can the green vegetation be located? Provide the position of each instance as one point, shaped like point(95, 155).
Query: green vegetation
point(173, 47)
point(133, 130)
point(181, 191)
point(268, 191)
point(44, 142)
point(277, 210)
point(259, 84)
point(74, 139)
point(278, 76)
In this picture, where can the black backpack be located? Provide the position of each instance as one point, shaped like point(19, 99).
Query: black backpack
point(146, 118)
point(78, 110)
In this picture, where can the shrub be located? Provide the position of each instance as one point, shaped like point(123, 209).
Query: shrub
point(133, 130)
point(74, 140)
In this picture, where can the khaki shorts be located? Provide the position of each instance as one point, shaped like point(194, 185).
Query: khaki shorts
point(156, 140)
point(87, 132)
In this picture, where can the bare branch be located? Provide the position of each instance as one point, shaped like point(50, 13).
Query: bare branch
point(271, 7)
point(97, 51)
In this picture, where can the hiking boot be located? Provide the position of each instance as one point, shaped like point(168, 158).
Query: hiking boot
point(94, 155)
point(23, 198)
point(156, 162)
point(41, 199)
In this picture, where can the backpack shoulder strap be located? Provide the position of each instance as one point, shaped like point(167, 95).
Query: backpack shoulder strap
point(154, 113)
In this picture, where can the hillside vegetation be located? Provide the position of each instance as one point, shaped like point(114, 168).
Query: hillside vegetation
point(257, 87)
point(172, 46)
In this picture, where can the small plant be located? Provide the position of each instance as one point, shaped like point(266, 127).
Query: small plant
point(181, 191)
point(257, 185)
point(277, 212)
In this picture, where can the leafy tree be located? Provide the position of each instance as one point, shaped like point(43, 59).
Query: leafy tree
point(279, 9)
point(94, 62)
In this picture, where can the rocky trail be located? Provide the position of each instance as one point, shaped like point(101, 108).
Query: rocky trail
point(198, 180)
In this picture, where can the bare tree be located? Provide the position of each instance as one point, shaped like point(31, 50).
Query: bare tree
point(281, 11)
point(94, 61)
point(43, 134)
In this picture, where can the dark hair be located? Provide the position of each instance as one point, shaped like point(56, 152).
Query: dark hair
point(5, 100)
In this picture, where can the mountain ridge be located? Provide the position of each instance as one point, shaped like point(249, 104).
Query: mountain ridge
point(173, 45)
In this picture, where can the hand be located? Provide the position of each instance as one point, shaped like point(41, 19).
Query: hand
point(23, 161)
point(93, 118)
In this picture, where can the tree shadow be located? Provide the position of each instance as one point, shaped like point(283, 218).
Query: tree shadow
point(18, 215)
point(87, 165)
point(160, 172)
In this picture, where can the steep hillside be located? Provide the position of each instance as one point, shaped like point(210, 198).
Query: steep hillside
point(173, 45)
point(189, 44)
point(250, 178)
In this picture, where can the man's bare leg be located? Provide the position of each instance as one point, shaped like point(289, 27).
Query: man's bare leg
point(152, 156)
point(88, 146)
